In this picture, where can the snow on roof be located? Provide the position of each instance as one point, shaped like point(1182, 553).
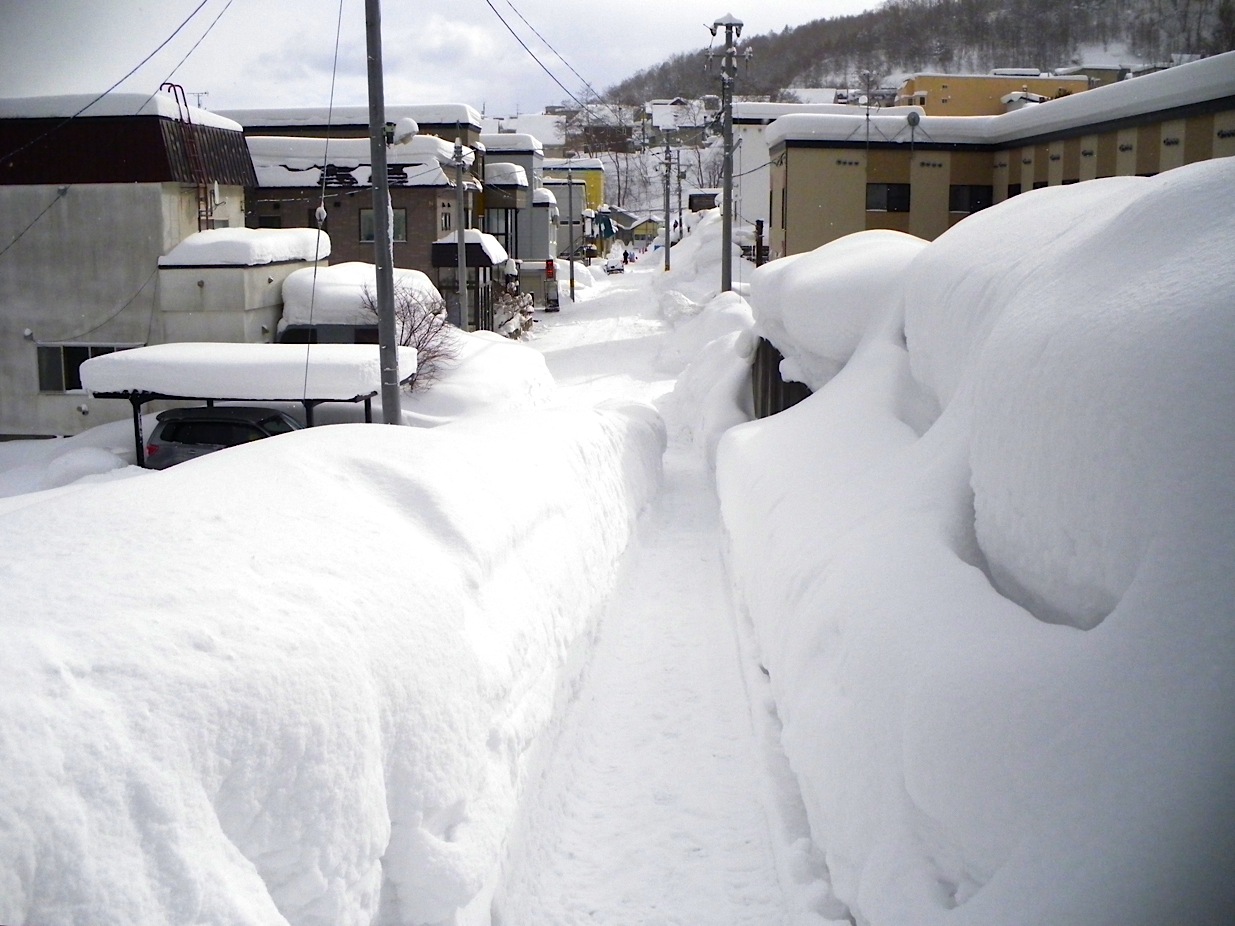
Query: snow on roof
point(1208, 79)
point(286, 161)
point(545, 127)
point(433, 114)
point(259, 372)
point(574, 164)
point(511, 141)
point(112, 104)
point(541, 196)
point(247, 247)
point(501, 173)
point(336, 295)
point(418, 148)
point(492, 247)
point(768, 111)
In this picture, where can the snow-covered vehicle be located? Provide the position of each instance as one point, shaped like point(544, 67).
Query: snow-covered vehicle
point(615, 265)
point(185, 433)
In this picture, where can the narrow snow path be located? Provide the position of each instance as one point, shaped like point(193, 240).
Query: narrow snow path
point(649, 810)
point(651, 807)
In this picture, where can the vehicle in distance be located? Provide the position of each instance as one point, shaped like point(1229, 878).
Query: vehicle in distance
point(184, 433)
point(615, 265)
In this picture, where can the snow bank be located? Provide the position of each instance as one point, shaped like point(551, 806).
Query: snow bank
point(965, 755)
point(247, 247)
point(489, 373)
point(304, 687)
point(335, 295)
point(815, 307)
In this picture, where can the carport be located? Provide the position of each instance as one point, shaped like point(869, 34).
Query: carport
point(310, 374)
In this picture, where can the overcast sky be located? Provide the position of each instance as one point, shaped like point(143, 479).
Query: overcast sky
point(280, 52)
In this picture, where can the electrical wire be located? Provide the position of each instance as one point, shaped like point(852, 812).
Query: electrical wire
point(209, 29)
point(320, 214)
point(140, 64)
point(55, 128)
point(60, 194)
point(613, 109)
point(543, 67)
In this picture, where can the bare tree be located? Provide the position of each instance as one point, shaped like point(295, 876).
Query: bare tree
point(420, 322)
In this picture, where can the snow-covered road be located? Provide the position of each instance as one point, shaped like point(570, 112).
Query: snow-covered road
point(653, 806)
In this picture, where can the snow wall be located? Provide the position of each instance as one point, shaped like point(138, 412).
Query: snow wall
point(989, 561)
point(304, 693)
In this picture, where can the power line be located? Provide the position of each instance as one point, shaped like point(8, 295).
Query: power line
point(209, 29)
point(66, 121)
point(55, 128)
point(516, 37)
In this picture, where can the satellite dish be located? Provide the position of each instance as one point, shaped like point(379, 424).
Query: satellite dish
point(914, 118)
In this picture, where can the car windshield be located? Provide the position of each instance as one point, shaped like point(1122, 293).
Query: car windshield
point(277, 424)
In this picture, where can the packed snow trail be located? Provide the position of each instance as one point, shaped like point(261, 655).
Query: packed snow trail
point(653, 803)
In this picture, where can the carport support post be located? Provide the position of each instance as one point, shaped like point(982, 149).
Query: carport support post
point(570, 238)
point(138, 437)
point(392, 411)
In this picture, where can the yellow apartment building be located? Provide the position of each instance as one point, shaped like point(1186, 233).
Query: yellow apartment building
point(982, 94)
point(904, 169)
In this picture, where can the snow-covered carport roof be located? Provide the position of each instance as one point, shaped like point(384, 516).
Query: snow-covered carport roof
point(310, 374)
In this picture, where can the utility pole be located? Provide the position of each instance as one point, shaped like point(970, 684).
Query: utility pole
point(681, 220)
point(728, 73)
point(668, 172)
point(388, 354)
point(464, 309)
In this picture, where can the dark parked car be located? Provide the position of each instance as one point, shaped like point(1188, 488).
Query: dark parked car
point(185, 433)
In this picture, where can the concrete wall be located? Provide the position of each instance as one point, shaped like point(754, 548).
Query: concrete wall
point(224, 303)
point(83, 274)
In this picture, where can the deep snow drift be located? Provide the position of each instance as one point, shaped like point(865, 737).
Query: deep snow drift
point(989, 563)
point(986, 568)
point(297, 680)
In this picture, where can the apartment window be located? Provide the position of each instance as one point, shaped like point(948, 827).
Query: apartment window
point(400, 223)
point(969, 197)
point(60, 364)
point(270, 221)
point(445, 218)
point(1014, 189)
point(887, 197)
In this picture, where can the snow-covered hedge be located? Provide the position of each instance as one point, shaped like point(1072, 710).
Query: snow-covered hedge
point(989, 566)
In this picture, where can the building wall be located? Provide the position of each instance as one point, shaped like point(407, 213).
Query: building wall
point(818, 187)
point(828, 201)
point(978, 95)
point(224, 303)
point(85, 275)
point(593, 183)
point(295, 208)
